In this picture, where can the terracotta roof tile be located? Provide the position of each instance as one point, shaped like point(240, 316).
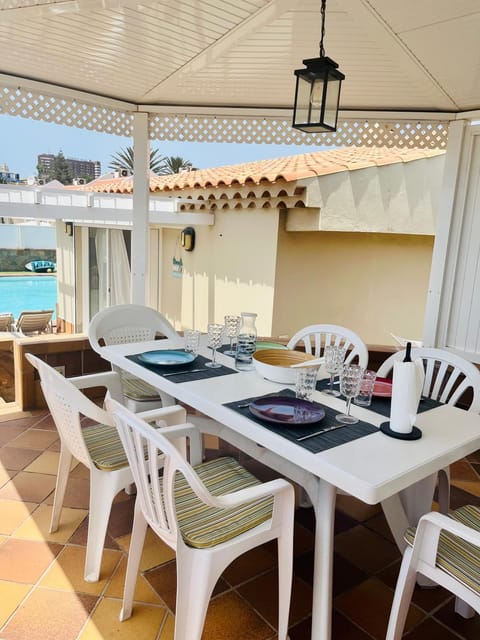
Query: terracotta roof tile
point(284, 169)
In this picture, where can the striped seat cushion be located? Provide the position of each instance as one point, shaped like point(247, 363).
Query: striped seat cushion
point(137, 389)
point(203, 526)
point(105, 447)
point(458, 558)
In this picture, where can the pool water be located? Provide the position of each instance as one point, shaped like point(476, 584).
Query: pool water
point(27, 293)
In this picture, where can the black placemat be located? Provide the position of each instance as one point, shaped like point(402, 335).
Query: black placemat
point(383, 405)
point(185, 372)
point(315, 444)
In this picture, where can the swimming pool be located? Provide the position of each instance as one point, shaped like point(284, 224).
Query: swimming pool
point(27, 293)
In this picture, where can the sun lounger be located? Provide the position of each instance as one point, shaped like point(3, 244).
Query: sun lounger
point(6, 321)
point(34, 322)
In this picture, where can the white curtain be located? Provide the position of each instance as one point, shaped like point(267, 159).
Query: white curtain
point(101, 244)
point(120, 284)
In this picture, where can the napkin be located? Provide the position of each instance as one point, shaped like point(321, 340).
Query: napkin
point(407, 387)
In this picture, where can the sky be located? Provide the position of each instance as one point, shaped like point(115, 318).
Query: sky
point(23, 139)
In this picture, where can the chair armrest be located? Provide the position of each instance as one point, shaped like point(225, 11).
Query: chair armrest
point(108, 379)
point(273, 488)
point(191, 432)
point(428, 532)
point(173, 415)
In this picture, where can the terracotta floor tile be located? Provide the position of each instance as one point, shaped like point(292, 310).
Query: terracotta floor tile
point(379, 525)
point(35, 439)
point(250, 564)
point(45, 422)
point(6, 475)
point(11, 595)
point(37, 526)
point(47, 462)
point(366, 549)
point(463, 471)
point(17, 459)
point(25, 561)
point(32, 487)
point(430, 628)
point(168, 629)
point(459, 497)
point(356, 508)
point(155, 552)
point(467, 628)
point(66, 574)
point(11, 431)
point(368, 605)
point(262, 593)
point(164, 581)
point(77, 494)
point(13, 513)
point(49, 614)
point(228, 616)
point(145, 623)
point(144, 592)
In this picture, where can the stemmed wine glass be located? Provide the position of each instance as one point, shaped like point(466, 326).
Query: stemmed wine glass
point(334, 358)
point(350, 380)
point(232, 325)
point(215, 339)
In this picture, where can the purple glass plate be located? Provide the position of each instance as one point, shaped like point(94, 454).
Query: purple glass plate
point(286, 410)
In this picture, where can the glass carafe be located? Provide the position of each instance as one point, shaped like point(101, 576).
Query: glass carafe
point(246, 342)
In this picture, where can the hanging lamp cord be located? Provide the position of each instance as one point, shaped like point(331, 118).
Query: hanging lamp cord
point(322, 35)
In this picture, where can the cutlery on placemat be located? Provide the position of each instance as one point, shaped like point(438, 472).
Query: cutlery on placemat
point(319, 433)
point(181, 373)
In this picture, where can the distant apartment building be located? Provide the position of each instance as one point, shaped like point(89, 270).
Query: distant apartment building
point(7, 176)
point(89, 169)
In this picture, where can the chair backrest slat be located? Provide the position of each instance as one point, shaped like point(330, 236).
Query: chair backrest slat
point(322, 335)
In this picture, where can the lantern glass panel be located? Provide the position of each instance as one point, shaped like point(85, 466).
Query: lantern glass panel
point(331, 101)
point(302, 111)
point(316, 100)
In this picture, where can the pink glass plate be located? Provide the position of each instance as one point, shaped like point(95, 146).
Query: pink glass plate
point(286, 410)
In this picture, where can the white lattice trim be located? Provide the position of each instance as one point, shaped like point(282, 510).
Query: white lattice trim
point(269, 130)
point(189, 127)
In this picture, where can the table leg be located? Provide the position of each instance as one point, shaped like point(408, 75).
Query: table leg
point(324, 506)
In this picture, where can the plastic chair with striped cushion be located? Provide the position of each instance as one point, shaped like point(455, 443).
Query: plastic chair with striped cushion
point(445, 549)
point(209, 512)
point(97, 446)
point(126, 323)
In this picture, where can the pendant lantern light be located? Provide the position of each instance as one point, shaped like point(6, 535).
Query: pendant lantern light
point(317, 93)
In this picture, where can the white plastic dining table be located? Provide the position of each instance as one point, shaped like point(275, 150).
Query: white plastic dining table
point(374, 468)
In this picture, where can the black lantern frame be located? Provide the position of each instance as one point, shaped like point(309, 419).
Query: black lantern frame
point(317, 92)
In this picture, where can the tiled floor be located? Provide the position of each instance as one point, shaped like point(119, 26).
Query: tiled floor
point(43, 595)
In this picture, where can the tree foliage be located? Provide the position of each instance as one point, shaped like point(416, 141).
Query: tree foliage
point(123, 159)
point(160, 165)
point(60, 170)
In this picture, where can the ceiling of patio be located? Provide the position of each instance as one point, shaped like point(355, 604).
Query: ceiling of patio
point(238, 56)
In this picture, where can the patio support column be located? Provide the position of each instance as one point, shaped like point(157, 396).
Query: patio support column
point(441, 247)
point(141, 192)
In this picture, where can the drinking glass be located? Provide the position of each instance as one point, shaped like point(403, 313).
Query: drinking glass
point(232, 325)
point(305, 382)
point(192, 341)
point(350, 380)
point(365, 392)
point(215, 339)
point(334, 358)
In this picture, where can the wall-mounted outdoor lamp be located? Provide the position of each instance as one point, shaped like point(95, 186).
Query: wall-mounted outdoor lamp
point(317, 92)
point(69, 228)
point(187, 238)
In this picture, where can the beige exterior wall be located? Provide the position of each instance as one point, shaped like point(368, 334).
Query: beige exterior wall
point(232, 269)
point(372, 283)
point(65, 276)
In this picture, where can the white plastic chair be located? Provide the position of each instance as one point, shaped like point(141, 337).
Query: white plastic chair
point(447, 377)
point(210, 513)
point(445, 550)
point(98, 447)
point(126, 323)
point(316, 337)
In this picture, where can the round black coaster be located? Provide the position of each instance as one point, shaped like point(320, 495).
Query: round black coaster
point(415, 434)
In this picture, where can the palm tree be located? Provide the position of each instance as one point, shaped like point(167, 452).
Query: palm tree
point(123, 159)
point(175, 164)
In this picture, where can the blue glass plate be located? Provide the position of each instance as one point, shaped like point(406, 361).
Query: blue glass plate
point(167, 358)
point(286, 410)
